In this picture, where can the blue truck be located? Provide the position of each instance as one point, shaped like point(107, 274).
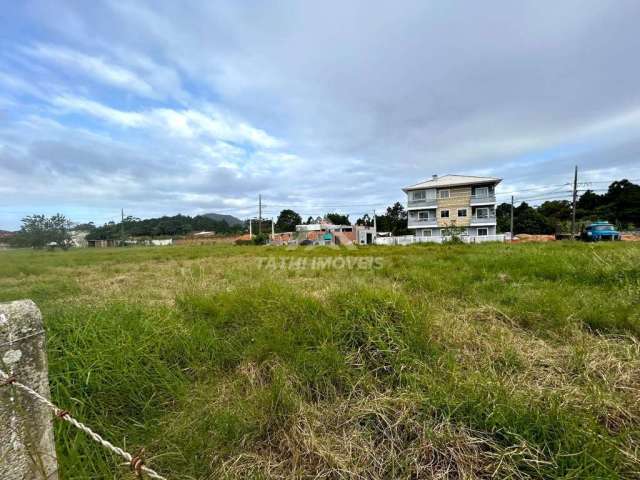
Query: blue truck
point(598, 231)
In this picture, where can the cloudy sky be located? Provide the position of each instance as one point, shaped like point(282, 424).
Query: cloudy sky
point(166, 107)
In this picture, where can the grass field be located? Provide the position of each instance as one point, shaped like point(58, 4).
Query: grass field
point(439, 361)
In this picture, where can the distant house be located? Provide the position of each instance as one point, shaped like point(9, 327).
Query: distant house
point(79, 238)
point(453, 203)
point(5, 238)
point(101, 243)
point(365, 235)
point(324, 232)
point(285, 238)
point(161, 241)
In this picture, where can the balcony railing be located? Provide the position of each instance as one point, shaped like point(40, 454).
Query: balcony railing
point(477, 199)
point(426, 202)
point(433, 201)
point(490, 218)
point(422, 222)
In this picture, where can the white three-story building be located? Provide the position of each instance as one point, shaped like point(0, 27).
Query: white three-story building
point(462, 204)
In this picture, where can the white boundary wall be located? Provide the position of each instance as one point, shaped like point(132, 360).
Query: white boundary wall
point(411, 239)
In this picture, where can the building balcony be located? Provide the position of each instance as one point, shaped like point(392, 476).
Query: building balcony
point(426, 203)
point(483, 220)
point(483, 199)
point(424, 223)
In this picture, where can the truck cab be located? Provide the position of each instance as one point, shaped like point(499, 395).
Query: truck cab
point(598, 231)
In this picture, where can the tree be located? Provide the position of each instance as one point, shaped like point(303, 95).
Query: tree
point(557, 209)
point(527, 219)
point(621, 204)
point(365, 220)
point(588, 202)
point(454, 232)
point(338, 218)
point(503, 217)
point(164, 226)
point(287, 221)
point(90, 226)
point(394, 220)
point(37, 231)
point(557, 213)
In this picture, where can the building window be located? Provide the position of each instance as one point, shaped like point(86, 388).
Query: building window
point(419, 195)
point(443, 194)
point(482, 213)
point(426, 233)
point(462, 212)
point(483, 232)
point(482, 192)
point(444, 213)
point(423, 216)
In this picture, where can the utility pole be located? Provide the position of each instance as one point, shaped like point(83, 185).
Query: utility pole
point(250, 232)
point(273, 229)
point(375, 226)
point(573, 213)
point(122, 229)
point(259, 213)
point(512, 218)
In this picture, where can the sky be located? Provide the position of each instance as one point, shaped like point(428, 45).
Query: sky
point(165, 107)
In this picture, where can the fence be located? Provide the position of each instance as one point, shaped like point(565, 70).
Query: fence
point(26, 435)
point(411, 239)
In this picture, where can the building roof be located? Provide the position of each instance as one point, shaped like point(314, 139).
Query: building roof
point(451, 181)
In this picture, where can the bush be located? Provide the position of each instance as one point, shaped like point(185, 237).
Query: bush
point(260, 239)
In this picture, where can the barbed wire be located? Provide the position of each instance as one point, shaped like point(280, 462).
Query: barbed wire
point(136, 462)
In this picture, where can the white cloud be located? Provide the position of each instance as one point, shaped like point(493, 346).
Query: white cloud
point(187, 123)
point(98, 110)
point(95, 67)
point(18, 85)
point(224, 99)
point(217, 125)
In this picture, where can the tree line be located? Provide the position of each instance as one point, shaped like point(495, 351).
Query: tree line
point(619, 205)
point(40, 231)
point(176, 225)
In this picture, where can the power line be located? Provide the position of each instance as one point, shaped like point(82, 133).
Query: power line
point(306, 205)
point(609, 181)
point(556, 196)
point(533, 189)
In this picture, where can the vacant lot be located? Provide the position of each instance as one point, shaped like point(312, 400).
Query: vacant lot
point(469, 361)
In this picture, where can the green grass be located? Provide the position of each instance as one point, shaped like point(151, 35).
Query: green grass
point(465, 361)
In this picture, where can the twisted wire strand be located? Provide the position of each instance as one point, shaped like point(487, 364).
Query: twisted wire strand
point(64, 415)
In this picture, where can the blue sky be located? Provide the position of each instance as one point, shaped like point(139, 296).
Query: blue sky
point(168, 107)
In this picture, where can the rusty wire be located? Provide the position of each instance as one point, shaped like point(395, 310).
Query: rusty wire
point(136, 462)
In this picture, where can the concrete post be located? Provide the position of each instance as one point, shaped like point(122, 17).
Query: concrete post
point(27, 450)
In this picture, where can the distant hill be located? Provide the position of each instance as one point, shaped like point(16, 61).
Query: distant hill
point(230, 219)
